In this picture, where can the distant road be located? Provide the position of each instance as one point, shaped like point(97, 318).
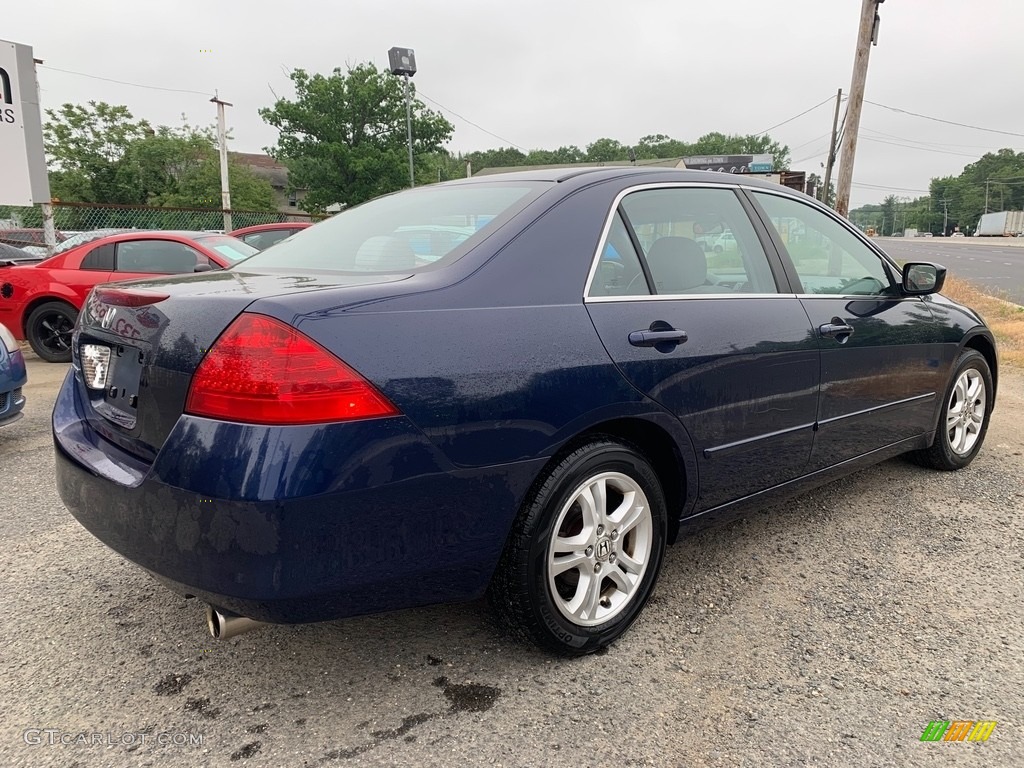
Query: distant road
point(996, 264)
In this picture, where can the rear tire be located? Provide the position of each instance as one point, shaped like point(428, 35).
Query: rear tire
point(49, 330)
point(963, 420)
point(585, 552)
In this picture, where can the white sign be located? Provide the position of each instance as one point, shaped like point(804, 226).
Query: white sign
point(23, 179)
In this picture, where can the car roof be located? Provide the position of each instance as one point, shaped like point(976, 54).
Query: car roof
point(605, 173)
point(274, 225)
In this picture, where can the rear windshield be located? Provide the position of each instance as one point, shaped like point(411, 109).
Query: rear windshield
point(405, 232)
point(230, 248)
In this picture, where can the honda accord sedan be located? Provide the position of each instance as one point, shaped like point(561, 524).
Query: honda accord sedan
point(346, 423)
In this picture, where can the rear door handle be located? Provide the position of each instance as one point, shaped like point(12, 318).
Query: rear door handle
point(654, 338)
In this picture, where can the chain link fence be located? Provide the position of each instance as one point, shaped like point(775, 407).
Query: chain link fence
point(71, 218)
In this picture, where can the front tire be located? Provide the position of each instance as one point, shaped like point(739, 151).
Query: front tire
point(963, 420)
point(585, 552)
point(49, 329)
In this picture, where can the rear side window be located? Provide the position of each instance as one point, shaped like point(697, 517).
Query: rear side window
point(101, 258)
point(697, 241)
point(404, 232)
point(263, 240)
point(618, 271)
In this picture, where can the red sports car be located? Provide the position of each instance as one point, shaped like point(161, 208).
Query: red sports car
point(262, 236)
point(40, 301)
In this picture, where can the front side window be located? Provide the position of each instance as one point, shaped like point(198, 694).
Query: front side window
point(698, 240)
point(160, 257)
point(828, 258)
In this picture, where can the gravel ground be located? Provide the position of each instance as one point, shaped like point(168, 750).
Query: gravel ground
point(824, 632)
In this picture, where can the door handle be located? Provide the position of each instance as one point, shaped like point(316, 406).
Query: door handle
point(654, 338)
point(836, 329)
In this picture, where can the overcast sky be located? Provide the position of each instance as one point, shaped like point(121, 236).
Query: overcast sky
point(544, 74)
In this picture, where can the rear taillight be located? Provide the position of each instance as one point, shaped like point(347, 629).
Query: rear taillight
point(263, 371)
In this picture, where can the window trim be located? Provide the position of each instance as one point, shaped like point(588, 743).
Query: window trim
point(787, 260)
point(755, 221)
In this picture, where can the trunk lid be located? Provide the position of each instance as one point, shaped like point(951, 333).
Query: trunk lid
point(149, 336)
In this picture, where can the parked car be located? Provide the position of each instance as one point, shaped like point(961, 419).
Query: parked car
point(340, 426)
point(27, 237)
point(13, 378)
point(40, 301)
point(958, 234)
point(262, 236)
point(9, 255)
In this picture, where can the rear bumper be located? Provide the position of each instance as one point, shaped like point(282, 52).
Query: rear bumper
point(292, 524)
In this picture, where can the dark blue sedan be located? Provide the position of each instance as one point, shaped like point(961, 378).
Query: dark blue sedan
point(375, 414)
point(13, 378)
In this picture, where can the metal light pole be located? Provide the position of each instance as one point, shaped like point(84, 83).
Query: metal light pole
point(403, 62)
point(408, 132)
point(225, 186)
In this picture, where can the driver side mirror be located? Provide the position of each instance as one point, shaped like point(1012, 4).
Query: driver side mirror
point(922, 278)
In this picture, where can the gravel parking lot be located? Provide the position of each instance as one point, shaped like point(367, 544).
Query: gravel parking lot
point(826, 631)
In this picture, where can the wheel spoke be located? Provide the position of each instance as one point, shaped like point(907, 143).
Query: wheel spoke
point(953, 417)
point(960, 392)
point(620, 580)
point(974, 385)
point(629, 564)
point(633, 517)
point(560, 565)
point(592, 504)
point(593, 596)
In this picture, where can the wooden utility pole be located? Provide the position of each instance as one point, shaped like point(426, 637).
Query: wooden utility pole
point(866, 36)
point(832, 148)
point(225, 185)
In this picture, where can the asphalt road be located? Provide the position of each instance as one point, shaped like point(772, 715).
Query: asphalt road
point(996, 264)
point(827, 631)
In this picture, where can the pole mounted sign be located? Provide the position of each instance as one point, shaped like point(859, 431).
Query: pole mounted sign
point(23, 179)
point(731, 163)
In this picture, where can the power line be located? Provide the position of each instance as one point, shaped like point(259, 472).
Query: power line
point(987, 147)
point(123, 82)
point(812, 157)
point(467, 120)
point(940, 120)
point(922, 149)
point(893, 189)
point(812, 141)
point(790, 120)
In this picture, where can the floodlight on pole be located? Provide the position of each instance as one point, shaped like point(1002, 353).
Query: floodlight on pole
point(403, 62)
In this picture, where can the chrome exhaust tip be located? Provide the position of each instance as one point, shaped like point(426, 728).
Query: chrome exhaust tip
point(224, 624)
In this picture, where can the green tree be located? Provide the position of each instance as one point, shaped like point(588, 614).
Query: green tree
point(888, 211)
point(85, 145)
point(504, 157)
point(101, 154)
point(343, 138)
point(606, 150)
